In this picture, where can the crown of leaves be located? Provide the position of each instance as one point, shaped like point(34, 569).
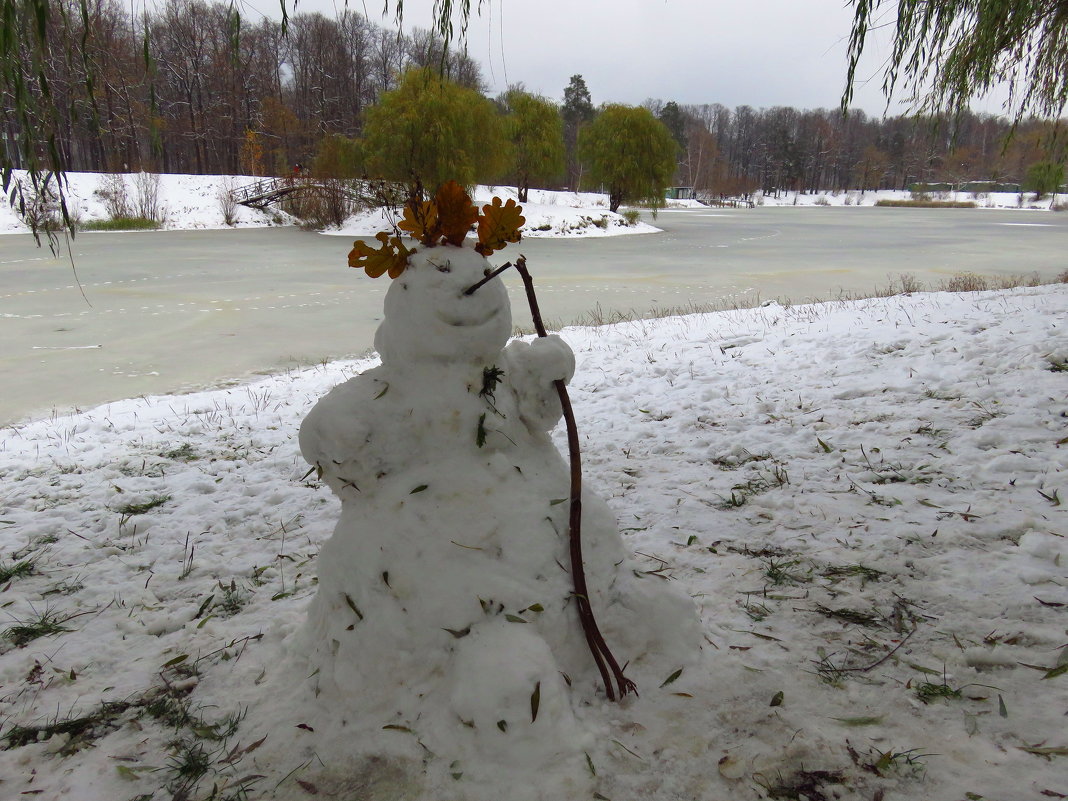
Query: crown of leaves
point(445, 220)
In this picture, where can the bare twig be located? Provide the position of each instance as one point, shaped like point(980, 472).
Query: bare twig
point(874, 665)
point(607, 664)
point(475, 287)
point(602, 654)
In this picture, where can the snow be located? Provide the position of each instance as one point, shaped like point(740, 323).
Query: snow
point(863, 499)
point(443, 604)
point(192, 202)
point(559, 215)
point(854, 197)
point(185, 202)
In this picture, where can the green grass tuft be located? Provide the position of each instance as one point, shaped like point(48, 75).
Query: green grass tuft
point(780, 571)
point(928, 692)
point(187, 766)
point(183, 453)
point(865, 574)
point(80, 730)
point(19, 569)
point(131, 509)
point(43, 625)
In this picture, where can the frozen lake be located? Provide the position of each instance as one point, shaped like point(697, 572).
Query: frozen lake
point(184, 310)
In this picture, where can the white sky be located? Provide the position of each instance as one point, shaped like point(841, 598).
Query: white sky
point(761, 53)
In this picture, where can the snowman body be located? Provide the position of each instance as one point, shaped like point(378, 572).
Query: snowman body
point(445, 601)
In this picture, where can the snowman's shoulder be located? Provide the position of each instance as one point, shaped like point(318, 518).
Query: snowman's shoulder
point(356, 397)
point(545, 357)
point(345, 414)
point(368, 385)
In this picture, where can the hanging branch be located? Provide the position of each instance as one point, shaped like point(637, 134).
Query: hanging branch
point(602, 655)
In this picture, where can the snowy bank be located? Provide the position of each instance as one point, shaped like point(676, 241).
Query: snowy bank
point(854, 197)
point(177, 202)
point(864, 499)
point(196, 202)
point(548, 214)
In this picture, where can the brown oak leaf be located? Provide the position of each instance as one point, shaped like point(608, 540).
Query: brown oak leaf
point(456, 213)
point(391, 258)
point(421, 221)
point(498, 225)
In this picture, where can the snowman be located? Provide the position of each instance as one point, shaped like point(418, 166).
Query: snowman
point(445, 621)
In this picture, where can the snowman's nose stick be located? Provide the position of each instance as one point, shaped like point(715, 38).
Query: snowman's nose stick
point(475, 287)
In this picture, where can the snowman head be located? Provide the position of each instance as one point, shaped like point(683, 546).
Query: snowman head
point(428, 318)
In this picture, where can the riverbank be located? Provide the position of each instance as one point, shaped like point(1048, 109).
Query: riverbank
point(201, 202)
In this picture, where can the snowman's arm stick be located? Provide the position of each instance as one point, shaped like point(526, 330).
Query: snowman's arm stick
point(474, 287)
point(598, 647)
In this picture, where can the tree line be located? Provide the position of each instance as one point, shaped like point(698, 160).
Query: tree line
point(190, 86)
point(781, 148)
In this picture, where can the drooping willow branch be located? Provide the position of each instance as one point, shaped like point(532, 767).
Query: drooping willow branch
point(602, 655)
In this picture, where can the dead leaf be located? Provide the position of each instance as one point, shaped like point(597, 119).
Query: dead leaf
point(498, 225)
point(421, 221)
point(456, 213)
point(1047, 752)
point(391, 258)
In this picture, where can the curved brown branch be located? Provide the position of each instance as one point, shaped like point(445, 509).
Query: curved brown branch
point(602, 654)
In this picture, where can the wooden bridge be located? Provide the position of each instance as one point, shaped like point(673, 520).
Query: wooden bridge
point(263, 193)
point(732, 202)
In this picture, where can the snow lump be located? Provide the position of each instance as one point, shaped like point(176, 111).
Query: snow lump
point(444, 638)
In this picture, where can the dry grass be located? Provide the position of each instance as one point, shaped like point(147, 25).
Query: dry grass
point(970, 282)
point(901, 284)
point(928, 204)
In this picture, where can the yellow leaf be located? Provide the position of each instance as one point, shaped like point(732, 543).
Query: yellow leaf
point(499, 225)
point(392, 257)
point(421, 221)
point(456, 212)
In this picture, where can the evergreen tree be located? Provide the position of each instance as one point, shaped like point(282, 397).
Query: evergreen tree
point(576, 111)
point(630, 152)
point(432, 129)
point(674, 120)
point(535, 133)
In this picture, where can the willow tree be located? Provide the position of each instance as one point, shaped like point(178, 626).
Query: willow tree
point(945, 52)
point(31, 117)
point(535, 135)
point(435, 130)
point(629, 152)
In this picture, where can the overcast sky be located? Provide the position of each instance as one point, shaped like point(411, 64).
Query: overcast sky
point(761, 53)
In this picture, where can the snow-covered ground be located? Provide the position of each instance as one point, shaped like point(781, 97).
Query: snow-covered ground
point(983, 200)
point(547, 214)
point(864, 499)
point(183, 202)
point(188, 202)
